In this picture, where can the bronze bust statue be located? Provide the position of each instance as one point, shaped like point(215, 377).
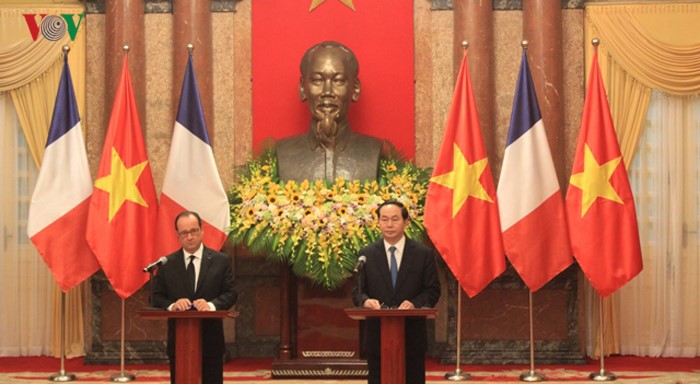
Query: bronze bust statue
point(329, 149)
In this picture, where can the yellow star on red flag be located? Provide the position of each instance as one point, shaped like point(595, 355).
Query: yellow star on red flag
point(594, 181)
point(316, 3)
point(463, 180)
point(120, 183)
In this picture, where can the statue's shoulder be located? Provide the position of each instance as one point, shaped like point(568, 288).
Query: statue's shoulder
point(365, 141)
point(293, 146)
point(292, 141)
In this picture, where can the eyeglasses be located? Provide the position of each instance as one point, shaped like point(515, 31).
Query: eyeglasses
point(192, 232)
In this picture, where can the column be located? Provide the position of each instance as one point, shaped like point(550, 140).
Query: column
point(124, 25)
point(542, 27)
point(473, 22)
point(192, 25)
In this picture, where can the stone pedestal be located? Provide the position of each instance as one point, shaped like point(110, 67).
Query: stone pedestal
point(144, 340)
point(495, 326)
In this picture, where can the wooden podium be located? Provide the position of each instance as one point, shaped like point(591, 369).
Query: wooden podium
point(188, 339)
point(392, 341)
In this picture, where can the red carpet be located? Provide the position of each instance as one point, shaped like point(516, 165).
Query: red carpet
point(27, 370)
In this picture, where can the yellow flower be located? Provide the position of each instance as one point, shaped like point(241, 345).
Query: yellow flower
point(295, 198)
point(361, 199)
point(251, 194)
point(272, 199)
point(250, 212)
point(391, 167)
point(291, 186)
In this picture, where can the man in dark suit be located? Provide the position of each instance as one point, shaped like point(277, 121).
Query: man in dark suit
point(195, 265)
point(399, 273)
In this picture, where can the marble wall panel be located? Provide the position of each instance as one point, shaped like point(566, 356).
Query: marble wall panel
point(160, 113)
point(222, 123)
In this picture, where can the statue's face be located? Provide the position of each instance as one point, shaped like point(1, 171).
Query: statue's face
point(328, 86)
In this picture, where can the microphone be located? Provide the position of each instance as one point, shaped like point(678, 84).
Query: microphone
point(360, 263)
point(155, 264)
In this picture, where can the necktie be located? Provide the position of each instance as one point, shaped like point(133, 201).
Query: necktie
point(394, 266)
point(190, 274)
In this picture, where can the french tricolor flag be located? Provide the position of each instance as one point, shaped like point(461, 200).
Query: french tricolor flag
point(59, 206)
point(530, 202)
point(192, 181)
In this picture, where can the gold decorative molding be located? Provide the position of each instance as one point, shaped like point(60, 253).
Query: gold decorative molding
point(339, 354)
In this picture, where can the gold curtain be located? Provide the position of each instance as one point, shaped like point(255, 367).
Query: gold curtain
point(30, 71)
point(643, 47)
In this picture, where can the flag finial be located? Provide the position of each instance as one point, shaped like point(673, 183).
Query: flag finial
point(126, 48)
point(190, 48)
point(465, 44)
point(65, 49)
point(524, 44)
point(595, 42)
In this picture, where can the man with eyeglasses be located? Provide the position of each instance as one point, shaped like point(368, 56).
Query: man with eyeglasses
point(399, 273)
point(196, 278)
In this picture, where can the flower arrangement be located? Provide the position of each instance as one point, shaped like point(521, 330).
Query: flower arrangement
point(319, 227)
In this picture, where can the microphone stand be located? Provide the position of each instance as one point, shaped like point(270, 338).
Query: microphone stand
point(359, 287)
point(150, 285)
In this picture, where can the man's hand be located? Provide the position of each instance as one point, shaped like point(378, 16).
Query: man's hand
point(372, 304)
point(201, 305)
point(406, 305)
point(183, 304)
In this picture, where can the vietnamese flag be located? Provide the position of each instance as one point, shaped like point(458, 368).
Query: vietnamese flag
point(599, 203)
point(461, 213)
point(380, 33)
point(123, 207)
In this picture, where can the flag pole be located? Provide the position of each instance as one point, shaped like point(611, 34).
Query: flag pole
point(458, 375)
point(122, 377)
point(62, 376)
point(532, 376)
point(602, 375)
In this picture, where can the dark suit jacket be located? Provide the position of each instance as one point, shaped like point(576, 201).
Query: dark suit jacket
point(215, 284)
point(417, 281)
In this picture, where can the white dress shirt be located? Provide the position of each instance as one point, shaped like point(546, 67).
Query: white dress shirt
point(398, 252)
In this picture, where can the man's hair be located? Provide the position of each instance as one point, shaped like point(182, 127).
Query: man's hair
point(188, 213)
point(404, 210)
point(349, 57)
